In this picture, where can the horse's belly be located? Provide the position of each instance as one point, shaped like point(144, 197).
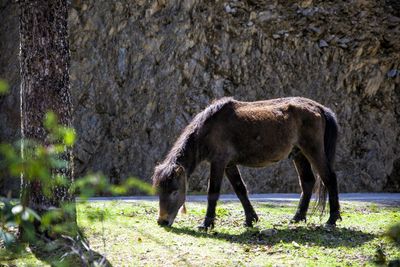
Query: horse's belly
point(260, 157)
point(264, 142)
point(256, 164)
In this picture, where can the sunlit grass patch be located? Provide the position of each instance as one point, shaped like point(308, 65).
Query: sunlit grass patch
point(128, 235)
point(132, 235)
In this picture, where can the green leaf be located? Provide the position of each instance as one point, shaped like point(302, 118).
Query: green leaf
point(33, 214)
point(69, 137)
point(8, 238)
point(60, 180)
point(118, 190)
point(3, 87)
point(58, 163)
point(51, 216)
point(25, 215)
point(58, 148)
point(29, 232)
point(8, 151)
point(50, 120)
point(133, 182)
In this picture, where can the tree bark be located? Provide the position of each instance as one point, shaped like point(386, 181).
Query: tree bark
point(45, 60)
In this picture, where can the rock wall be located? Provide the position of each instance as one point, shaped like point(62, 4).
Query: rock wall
point(142, 69)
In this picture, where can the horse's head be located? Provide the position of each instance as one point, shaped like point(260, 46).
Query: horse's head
point(170, 182)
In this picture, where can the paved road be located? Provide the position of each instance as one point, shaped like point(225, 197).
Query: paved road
point(390, 198)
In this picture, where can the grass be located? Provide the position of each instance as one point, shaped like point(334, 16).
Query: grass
point(130, 236)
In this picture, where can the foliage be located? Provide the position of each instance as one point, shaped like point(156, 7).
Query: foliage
point(3, 87)
point(40, 164)
point(381, 257)
point(394, 233)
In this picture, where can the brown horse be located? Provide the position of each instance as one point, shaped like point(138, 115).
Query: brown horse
point(230, 133)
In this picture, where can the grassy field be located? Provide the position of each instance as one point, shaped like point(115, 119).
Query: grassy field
point(130, 236)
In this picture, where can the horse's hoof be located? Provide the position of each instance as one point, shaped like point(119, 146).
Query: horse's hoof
point(255, 217)
point(208, 224)
point(205, 228)
point(333, 218)
point(298, 218)
point(202, 227)
point(248, 224)
point(330, 223)
point(249, 221)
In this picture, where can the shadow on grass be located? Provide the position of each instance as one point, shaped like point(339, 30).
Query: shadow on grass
point(65, 252)
point(313, 236)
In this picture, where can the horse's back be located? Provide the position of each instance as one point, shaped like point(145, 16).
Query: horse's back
point(263, 132)
point(287, 112)
point(285, 103)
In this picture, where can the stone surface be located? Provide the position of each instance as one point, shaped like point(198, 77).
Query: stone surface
point(268, 232)
point(142, 69)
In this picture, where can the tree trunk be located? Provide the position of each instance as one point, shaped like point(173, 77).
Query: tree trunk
point(44, 59)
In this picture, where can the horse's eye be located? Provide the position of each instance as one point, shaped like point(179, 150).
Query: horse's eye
point(174, 193)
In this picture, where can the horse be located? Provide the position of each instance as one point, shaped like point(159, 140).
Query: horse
point(229, 133)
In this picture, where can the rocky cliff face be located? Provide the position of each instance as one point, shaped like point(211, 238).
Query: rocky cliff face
point(142, 69)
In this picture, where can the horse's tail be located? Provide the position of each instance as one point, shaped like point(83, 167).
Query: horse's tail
point(330, 138)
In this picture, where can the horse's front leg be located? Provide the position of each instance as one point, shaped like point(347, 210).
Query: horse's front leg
point(214, 188)
point(233, 174)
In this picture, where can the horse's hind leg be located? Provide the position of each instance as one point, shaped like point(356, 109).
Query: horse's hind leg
point(329, 180)
point(307, 181)
point(233, 174)
point(331, 183)
point(214, 188)
point(320, 163)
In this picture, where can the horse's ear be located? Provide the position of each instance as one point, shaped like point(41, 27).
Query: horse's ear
point(183, 209)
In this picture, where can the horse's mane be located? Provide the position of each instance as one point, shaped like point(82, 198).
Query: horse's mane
point(165, 169)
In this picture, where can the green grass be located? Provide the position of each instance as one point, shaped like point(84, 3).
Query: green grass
point(130, 236)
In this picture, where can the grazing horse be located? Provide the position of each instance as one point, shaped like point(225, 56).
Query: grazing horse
point(229, 133)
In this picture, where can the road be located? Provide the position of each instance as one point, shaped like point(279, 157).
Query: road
point(389, 198)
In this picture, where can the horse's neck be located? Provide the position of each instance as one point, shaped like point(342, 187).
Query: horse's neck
point(189, 163)
point(191, 158)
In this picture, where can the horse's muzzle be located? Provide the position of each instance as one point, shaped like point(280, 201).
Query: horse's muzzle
point(163, 222)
